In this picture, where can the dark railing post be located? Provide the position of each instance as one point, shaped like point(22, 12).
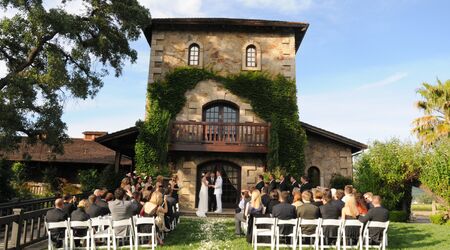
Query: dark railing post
point(16, 233)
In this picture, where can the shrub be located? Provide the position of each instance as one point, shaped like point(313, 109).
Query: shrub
point(339, 181)
point(6, 190)
point(398, 216)
point(89, 180)
point(439, 219)
point(50, 177)
point(109, 178)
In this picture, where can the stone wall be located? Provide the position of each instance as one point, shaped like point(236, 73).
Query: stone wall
point(328, 156)
point(222, 52)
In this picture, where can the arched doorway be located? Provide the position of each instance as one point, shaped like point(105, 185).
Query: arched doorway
point(314, 176)
point(231, 176)
point(221, 116)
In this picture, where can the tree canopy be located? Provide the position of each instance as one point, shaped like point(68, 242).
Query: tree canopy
point(52, 55)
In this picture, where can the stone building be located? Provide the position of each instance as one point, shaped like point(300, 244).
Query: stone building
point(217, 129)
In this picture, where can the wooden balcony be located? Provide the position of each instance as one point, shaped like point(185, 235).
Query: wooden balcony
point(219, 137)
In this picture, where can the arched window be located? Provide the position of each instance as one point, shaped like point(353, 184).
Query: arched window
point(314, 176)
point(250, 53)
point(221, 111)
point(194, 55)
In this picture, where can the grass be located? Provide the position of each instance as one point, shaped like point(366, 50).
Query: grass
point(425, 207)
point(218, 233)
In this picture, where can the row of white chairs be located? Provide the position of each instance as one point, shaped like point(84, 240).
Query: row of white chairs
point(270, 227)
point(104, 229)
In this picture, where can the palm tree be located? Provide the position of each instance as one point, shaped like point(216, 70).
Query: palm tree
point(435, 123)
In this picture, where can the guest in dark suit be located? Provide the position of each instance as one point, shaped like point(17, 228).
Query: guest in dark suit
point(68, 205)
point(260, 183)
point(80, 215)
point(57, 214)
point(171, 214)
point(283, 186)
point(294, 183)
point(329, 211)
point(272, 183)
point(338, 199)
point(308, 211)
point(274, 200)
point(136, 202)
point(284, 211)
point(317, 194)
point(265, 197)
point(305, 184)
point(93, 210)
point(212, 203)
point(377, 213)
point(100, 195)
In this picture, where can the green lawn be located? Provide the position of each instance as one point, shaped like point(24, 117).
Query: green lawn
point(425, 207)
point(214, 233)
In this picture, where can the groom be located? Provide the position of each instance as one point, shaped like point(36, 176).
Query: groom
point(218, 191)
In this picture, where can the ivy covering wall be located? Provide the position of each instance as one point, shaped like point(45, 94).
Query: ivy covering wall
point(273, 99)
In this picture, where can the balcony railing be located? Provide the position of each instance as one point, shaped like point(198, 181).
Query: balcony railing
point(220, 137)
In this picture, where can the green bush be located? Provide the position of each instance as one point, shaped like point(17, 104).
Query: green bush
point(6, 190)
point(89, 179)
point(51, 178)
point(109, 179)
point(439, 219)
point(339, 181)
point(398, 216)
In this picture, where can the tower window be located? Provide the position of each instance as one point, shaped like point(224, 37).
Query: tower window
point(251, 56)
point(194, 55)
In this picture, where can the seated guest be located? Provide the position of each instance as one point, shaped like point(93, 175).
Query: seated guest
point(120, 209)
point(93, 210)
point(337, 201)
point(265, 197)
point(308, 211)
point(239, 216)
point(348, 191)
point(254, 209)
point(159, 183)
point(68, 206)
point(297, 201)
point(80, 215)
point(283, 185)
point(274, 200)
point(175, 187)
point(350, 212)
point(329, 211)
point(156, 207)
point(260, 183)
point(101, 202)
point(284, 211)
point(171, 214)
point(361, 204)
point(305, 184)
point(377, 213)
point(272, 183)
point(109, 197)
point(368, 198)
point(57, 214)
point(136, 203)
point(317, 197)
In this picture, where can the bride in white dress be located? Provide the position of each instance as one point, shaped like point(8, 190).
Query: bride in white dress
point(203, 197)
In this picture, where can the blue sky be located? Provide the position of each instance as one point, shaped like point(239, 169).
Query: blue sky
point(358, 67)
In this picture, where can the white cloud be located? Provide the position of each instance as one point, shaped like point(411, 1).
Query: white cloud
point(174, 8)
point(384, 82)
point(280, 5)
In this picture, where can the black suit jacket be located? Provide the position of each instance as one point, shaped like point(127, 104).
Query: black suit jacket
point(272, 185)
point(306, 186)
point(69, 208)
point(79, 215)
point(329, 211)
point(284, 186)
point(308, 211)
point(284, 211)
point(94, 210)
point(271, 204)
point(376, 214)
point(56, 215)
point(104, 205)
point(265, 198)
point(294, 185)
point(211, 182)
point(339, 204)
point(259, 185)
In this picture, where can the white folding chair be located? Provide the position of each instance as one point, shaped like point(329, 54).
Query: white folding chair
point(101, 230)
point(126, 225)
point(244, 226)
point(143, 235)
point(76, 225)
point(259, 230)
point(293, 235)
point(376, 224)
point(330, 223)
point(314, 236)
point(57, 225)
point(352, 223)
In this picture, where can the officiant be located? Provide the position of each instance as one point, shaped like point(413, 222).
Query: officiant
point(212, 204)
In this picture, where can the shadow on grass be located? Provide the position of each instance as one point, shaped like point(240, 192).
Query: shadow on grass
point(409, 235)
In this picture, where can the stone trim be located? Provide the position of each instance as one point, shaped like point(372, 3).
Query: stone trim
point(258, 56)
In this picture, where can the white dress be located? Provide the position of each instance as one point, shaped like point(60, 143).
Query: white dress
point(203, 199)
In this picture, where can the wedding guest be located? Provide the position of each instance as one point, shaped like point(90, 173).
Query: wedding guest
point(171, 214)
point(80, 215)
point(254, 209)
point(57, 214)
point(175, 188)
point(125, 184)
point(159, 185)
point(297, 202)
point(93, 210)
point(136, 202)
point(212, 203)
point(305, 184)
point(361, 204)
point(284, 211)
point(294, 183)
point(308, 211)
point(100, 201)
point(368, 198)
point(272, 183)
point(120, 209)
point(260, 183)
point(265, 198)
point(317, 197)
point(68, 205)
point(274, 200)
point(350, 212)
point(348, 191)
point(377, 213)
point(240, 212)
point(109, 197)
point(338, 199)
point(156, 207)
point(148, 182)
point(329, 211)
point(283, 186)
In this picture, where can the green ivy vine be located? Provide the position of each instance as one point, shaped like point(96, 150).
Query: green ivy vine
point(273, 98)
